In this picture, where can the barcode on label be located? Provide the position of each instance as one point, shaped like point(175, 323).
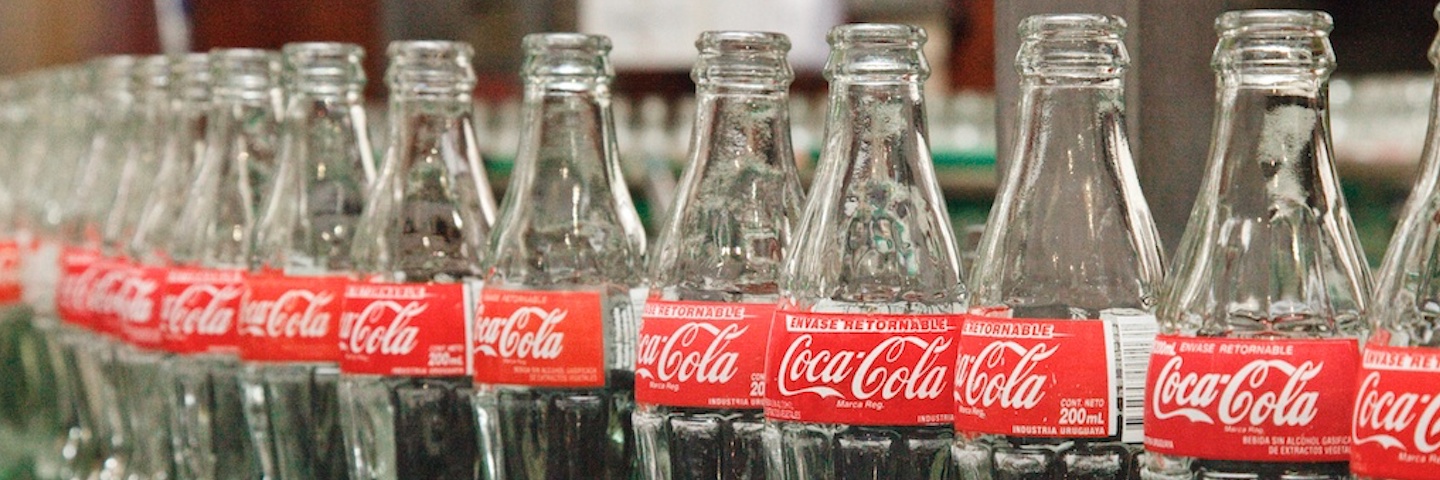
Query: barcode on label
point(1134, 336)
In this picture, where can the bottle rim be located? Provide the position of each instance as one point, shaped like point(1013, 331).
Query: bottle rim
point(1068, 25)
point(877, 52)
point(742, 57)
point(1262, 21)
point(323, 64)
point(429, 67)
point(876, 35)
point(539, 43)
point(1072, 46)
point(152, 73)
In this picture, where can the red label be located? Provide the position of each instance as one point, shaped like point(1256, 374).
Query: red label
point(136, 305)
point(540, 338)
point(1251, 400)
point(1397, 414)
point(78, 274)
point(404, 329)
point(703, 354)
point(10, 286)
point(199, 310)
point(291, 319)
point(1035, 378)
point(105, 293)
point(861, 369)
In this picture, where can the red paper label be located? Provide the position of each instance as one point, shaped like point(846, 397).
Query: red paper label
point(104, 294)
point(861, 369)
point(291, 319)
point(1397, 414)
point(540, 338)
point(1251, 400)
point(136, 305)
point(1036, 378)
point(199, 310)
point(400, 329)
point(78, 273)
point(703, 354)
point(10, 287)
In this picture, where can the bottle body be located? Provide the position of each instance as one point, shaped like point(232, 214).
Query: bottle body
point(1268, 273)
point(874, 269)
point(568, 243)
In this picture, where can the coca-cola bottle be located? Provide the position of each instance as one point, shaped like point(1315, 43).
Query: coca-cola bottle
point(858, 375)
point(84, 271)
point(201, 302)
point(405, 385)
point(555, 336)
point(289, 317)
point(1050, 377)
point(1253, 373)
point(1398, 393)
point(714, 279)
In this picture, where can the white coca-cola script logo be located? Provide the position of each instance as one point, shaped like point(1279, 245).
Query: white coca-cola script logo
point(989, 376)
point(74, 290)
point(134, 301)
point(383, 327)
point(868, 373)
point(1389, 414)
point(201, 309)
point(529, 332)
point(697, 351)
point(101, 298)
point(295, 313)
point(1238, 397)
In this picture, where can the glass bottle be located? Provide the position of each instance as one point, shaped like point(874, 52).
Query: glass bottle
point(201, 303)
point(1071, 247)
point(721, 250)
point(568, 246)
point(291, 310)
point(1269, 287)
point(1403, 317)
point(405, 385)
point(874, 269)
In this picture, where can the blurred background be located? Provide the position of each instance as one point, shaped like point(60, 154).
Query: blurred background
point(1380, 95)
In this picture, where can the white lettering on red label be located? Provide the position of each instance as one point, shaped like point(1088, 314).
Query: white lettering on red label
point(702, 354)
point(199, 309)
point(1396, 429)
point(1251, 400)
point(291, 319)
point(540, 338)
point(405, 330)
point(860, 369)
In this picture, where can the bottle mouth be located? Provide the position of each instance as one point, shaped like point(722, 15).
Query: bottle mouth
point(741, 57)
point(152, 74)
point(244, 71)
point(112, 73)
point(1072, 46)
point(324, 66)
point(190, 76)
point(437, 67)
point(877, 52)
point(566, 56)
point(1281, 42)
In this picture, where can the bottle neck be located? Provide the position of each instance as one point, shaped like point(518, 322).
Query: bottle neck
point(1273, 143)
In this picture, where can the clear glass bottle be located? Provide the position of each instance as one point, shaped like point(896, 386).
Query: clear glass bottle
point(1269, 288)
point(302, 251)
point(875, 245)
point(568, 241)
point(423, 232)
point(209, 252)
point(1070, 238)
point(724, 245)
point(1403, 319)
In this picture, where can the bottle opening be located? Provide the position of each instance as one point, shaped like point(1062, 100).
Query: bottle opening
point(152, 74)
point(1072, 46)
point(1285, 42)
point(567, 55)
point(430, 67)
point(742, 58)
point(244, 71)
point(324, 64)
point(877, 52)
point(112, 73)
point(190, 76)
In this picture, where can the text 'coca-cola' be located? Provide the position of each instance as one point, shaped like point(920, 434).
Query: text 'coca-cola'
point(291, 319)
point(1396, 430)
point(1251, 400)
point(416, 330)
point(702, 354)
point(199, 309)
point(861, 369)
point(540, 338)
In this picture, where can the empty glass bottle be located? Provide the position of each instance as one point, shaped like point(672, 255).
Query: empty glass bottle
point(1255, 368)
point(405, 385)
point(1070, 248)
point(874, 275)
point(1400, 366)
point(289, 319)
point(714, 279)
point(566, 253)
point(201, 303)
